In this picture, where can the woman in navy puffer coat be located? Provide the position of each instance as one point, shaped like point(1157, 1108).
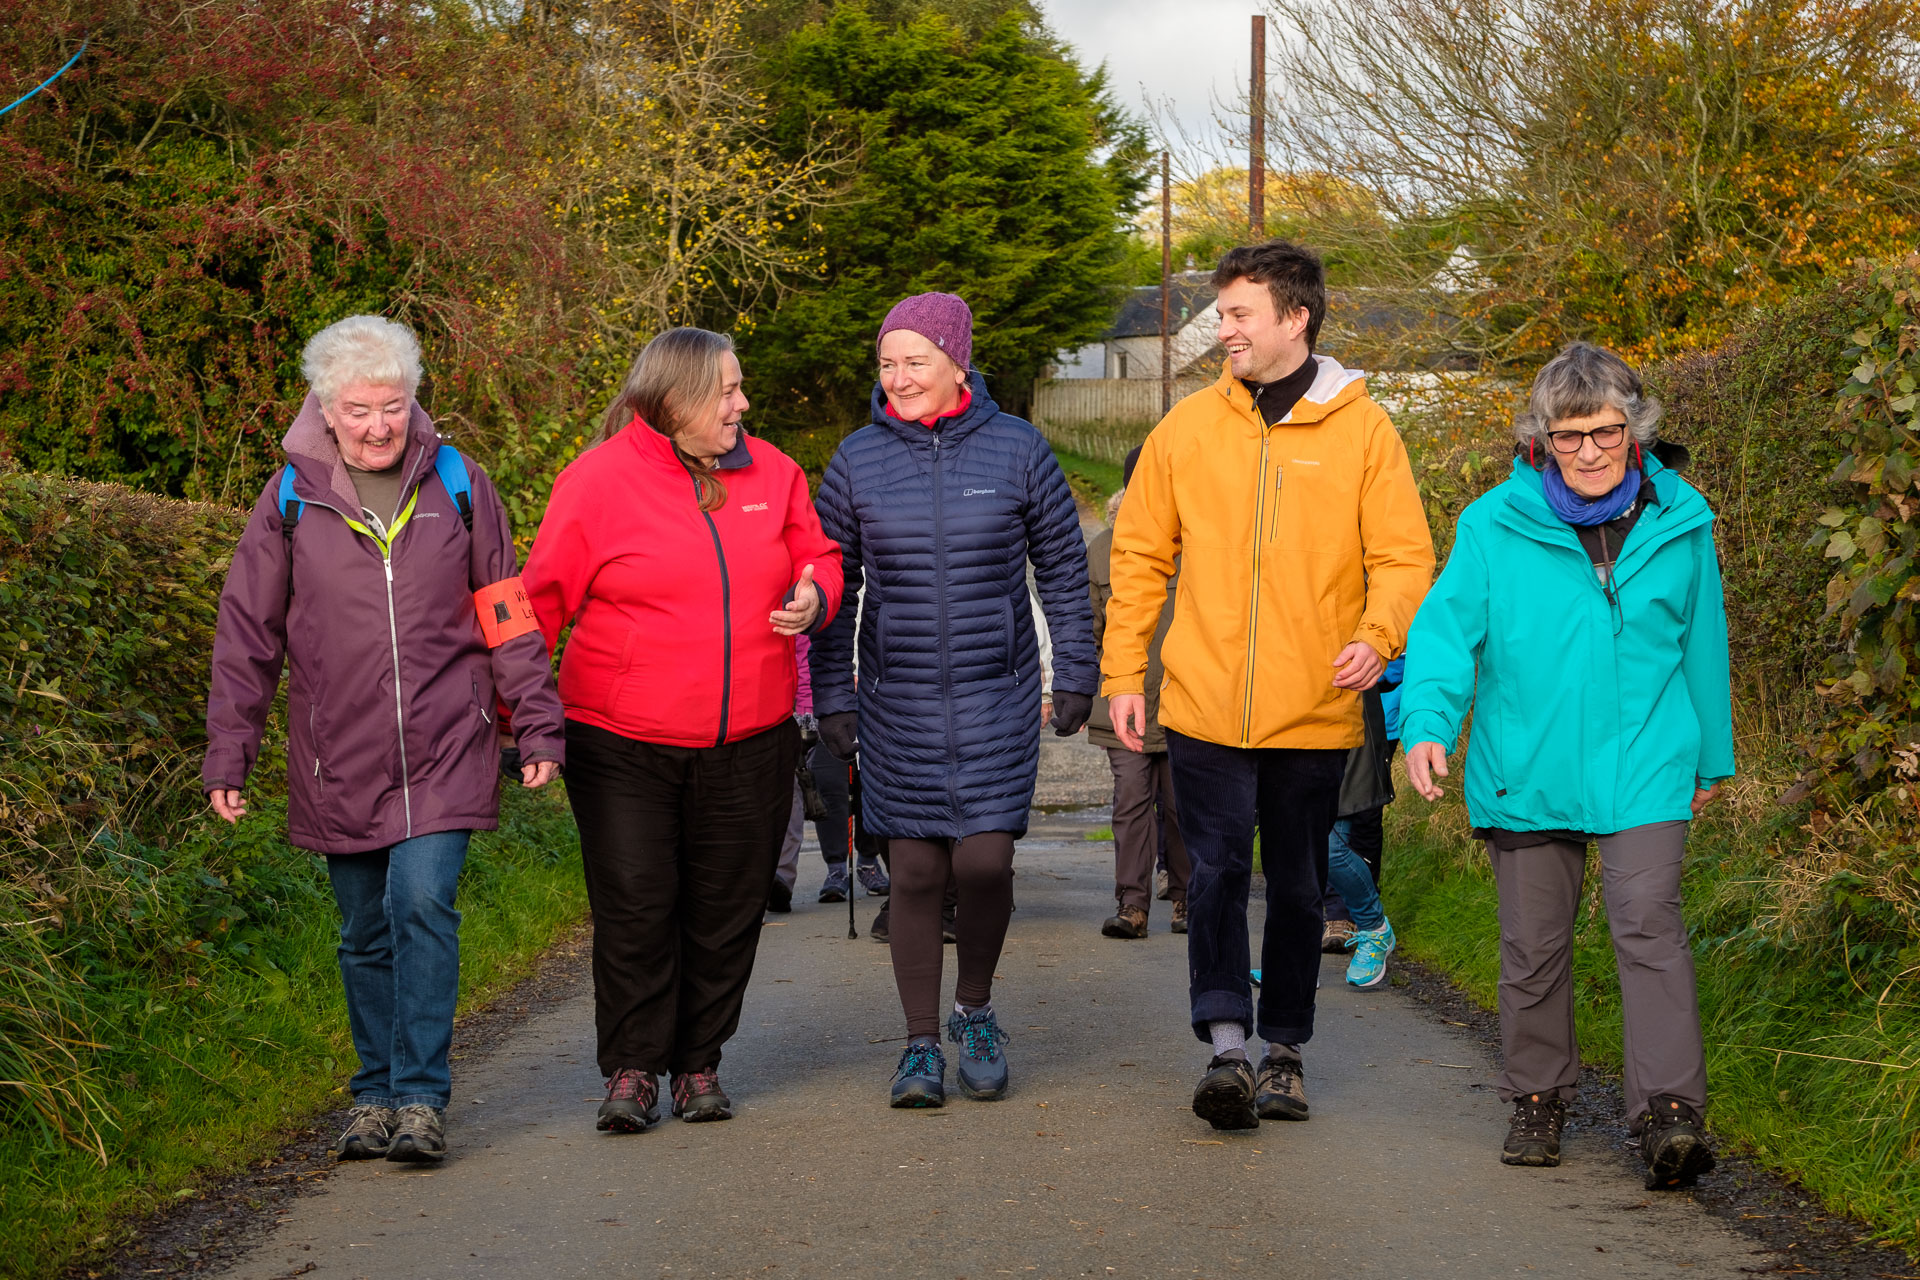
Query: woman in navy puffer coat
point(937, 506)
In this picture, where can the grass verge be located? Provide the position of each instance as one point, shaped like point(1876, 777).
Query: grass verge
point(1092, 480)
point(1810, 1014)
point(206, 1064)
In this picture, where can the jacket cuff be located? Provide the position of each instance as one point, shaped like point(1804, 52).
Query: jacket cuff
point(1124, 684)
point(1426, 726)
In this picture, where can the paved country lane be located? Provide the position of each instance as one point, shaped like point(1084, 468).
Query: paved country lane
point(1094, 1166)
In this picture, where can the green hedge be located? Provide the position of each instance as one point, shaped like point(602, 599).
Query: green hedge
point(169, 1000)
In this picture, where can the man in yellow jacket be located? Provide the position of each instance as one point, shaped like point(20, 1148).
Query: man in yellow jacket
point(1287, 497)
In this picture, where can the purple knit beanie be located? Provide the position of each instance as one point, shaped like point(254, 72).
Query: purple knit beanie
point(941, 318)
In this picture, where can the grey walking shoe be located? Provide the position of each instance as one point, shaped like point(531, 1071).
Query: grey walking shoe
point(982, 1069)
point(419, 1135)
point(1281, 1093)
point(369, 1131)
point(921, 1078)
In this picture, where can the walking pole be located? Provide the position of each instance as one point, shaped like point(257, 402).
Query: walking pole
point(853, 880)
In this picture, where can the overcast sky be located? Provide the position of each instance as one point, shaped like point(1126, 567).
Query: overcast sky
point(1185, 51)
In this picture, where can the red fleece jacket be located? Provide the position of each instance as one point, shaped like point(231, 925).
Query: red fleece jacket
point(671, 641)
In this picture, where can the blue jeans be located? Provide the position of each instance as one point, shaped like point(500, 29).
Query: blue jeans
point(1291, 795)
point(1347, 873)
point(400, 963)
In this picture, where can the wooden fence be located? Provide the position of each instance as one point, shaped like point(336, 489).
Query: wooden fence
point(1102, 418)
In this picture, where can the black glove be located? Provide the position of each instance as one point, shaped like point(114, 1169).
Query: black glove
point(837, 732)
point(510, 763)
point(1070, 712)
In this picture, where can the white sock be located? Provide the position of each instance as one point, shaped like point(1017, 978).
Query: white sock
point(965, 1012)
point(1229, 1039)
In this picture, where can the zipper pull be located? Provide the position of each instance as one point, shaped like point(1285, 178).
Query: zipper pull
point(387, 561)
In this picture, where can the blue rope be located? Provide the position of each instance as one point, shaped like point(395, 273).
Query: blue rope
point(49, 80)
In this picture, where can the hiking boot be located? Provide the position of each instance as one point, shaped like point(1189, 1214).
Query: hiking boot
point(982, 1071)
point(1162, 885)
point(1673, 1141)
point(631, 1098)
point(1224, 1096)
point(780, 898)
point(1371, 947)
point(873, 877)
point(1336, 936)
point(921, 1078)
point(697, 1097)
point(879, 930)
point(1281, 1093)
point(419, 1136)
point(369, 1130)
point(836, 886)
point(1180, 916)
point(1533, 1137)
point(1127, 922)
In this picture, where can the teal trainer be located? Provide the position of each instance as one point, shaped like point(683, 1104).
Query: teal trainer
point(921, 1078)
point(1371, 947)
point(982, 1070)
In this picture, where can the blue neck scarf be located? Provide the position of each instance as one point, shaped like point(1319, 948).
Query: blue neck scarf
point(1574, 509)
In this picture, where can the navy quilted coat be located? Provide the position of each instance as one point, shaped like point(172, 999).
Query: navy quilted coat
point(936, 527)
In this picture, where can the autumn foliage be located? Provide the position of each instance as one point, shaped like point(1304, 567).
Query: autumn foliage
point(213, 182)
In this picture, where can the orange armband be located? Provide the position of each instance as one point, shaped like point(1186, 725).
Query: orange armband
point(505, 612)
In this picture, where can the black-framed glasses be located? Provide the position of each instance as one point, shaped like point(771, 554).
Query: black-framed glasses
point(1607, 437)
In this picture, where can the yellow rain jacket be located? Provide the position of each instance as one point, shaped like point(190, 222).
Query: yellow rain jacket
point(1294, 540)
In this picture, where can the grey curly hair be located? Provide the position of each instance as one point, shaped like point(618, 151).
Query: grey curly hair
point(1581, 380)
point(370, 349)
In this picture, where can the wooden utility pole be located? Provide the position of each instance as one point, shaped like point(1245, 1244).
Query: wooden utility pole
point(1257, 135)
point(1166, 284)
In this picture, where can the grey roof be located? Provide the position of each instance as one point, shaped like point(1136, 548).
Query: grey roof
point(1139, 316)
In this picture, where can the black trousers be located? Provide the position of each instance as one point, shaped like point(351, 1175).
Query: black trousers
point(679, 845)
point(836, 797)
point(1290, 795)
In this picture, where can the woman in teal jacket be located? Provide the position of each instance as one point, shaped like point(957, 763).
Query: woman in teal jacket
point(1580, 617)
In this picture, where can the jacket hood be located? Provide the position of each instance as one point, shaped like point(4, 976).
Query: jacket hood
point(1333, 386)
point(983, 409)
point(320, 473)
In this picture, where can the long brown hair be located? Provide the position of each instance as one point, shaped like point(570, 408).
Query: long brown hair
point(674, 380)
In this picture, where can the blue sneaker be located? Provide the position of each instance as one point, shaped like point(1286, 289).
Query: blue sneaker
point(921, 1078)
point(835, 888)
point(1254, 976)
point(1371, 947)
point(874, 877)
point(982, 1072)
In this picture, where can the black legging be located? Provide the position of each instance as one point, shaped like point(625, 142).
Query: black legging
point(983, 867)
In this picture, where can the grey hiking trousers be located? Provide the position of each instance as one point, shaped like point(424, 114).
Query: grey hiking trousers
point(1539, 896)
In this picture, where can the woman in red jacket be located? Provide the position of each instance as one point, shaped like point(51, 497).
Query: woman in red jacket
point(686, 556)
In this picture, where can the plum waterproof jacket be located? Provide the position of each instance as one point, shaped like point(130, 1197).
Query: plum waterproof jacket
point(1595, 708)
point(391, 698)
point(938, 524)
point(671, 641)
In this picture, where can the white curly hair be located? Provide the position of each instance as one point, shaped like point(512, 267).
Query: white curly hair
point(361, 349)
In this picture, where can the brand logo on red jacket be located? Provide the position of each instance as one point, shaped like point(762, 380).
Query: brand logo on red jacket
point(754, 506)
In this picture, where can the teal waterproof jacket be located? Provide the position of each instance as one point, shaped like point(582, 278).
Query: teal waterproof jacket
point(1596, 708)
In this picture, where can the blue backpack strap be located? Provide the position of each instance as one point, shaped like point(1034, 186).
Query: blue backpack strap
point(291, 504)
point(452, 469)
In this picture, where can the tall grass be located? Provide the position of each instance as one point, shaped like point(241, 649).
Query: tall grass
point(197, 1059)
